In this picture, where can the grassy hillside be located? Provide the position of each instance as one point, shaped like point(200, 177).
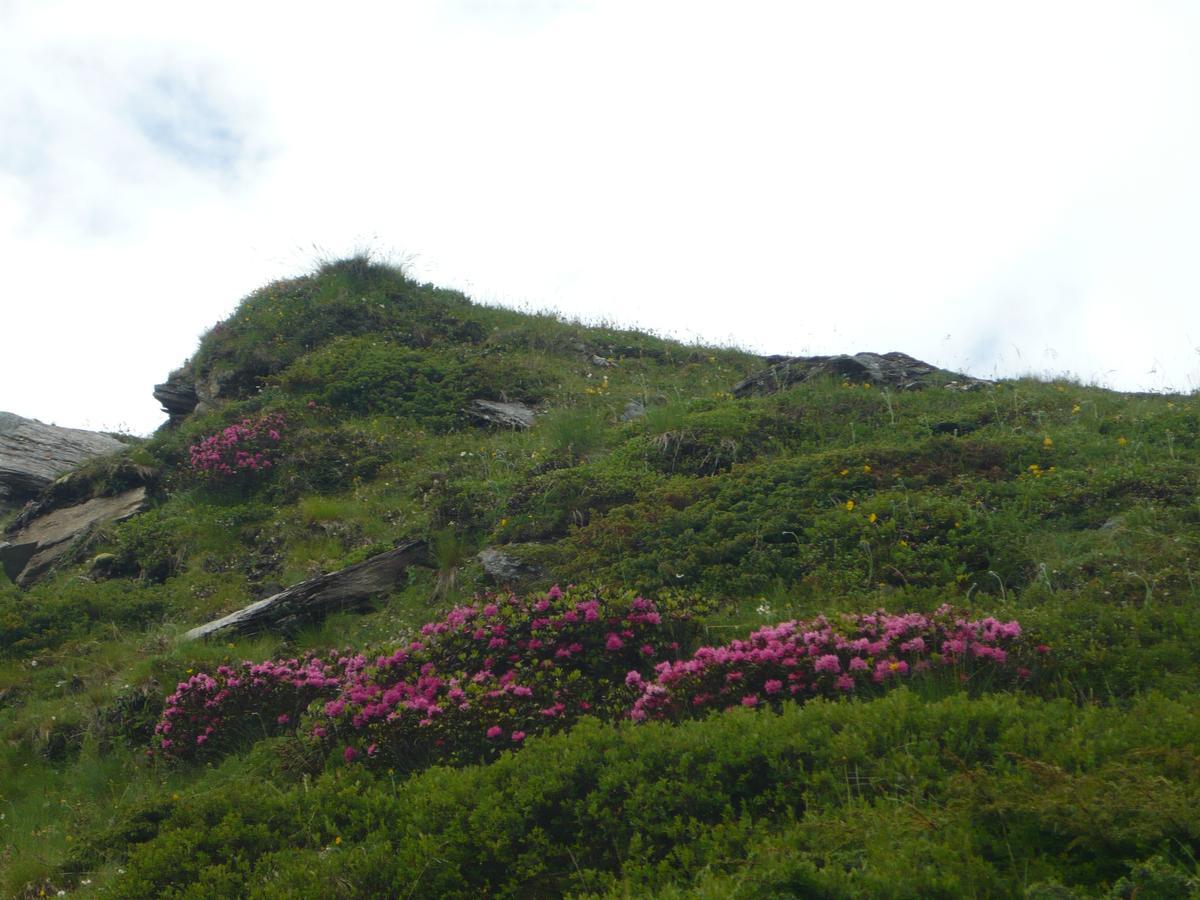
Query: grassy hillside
point(1066, 766)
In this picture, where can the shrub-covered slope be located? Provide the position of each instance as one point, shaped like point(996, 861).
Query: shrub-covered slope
point(337, 420)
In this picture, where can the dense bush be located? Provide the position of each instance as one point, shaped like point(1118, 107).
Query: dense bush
point(827, 658)
point(367, 375)
point(492, 673)
point(45, 618)
point(239, 451)
point(896, 797)
point(209, 714)
point(479, 680)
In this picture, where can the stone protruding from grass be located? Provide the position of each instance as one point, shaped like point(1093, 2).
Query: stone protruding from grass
point(312, 600)
point(896, 370)
point(504, 415)
point(30, 552)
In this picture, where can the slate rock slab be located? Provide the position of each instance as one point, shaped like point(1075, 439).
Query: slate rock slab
point(30, 551)
point(33, 454)
point(505, 415)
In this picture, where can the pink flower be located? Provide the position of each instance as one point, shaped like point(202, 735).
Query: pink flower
point(828, 663)
point(349, 754)
point(750, 700)
point(283, 719)
point(773, 686)
point(518, 736)
point(495, 731)
point(614, 642)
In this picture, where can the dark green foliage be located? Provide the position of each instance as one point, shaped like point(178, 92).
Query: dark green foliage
point(897, 797)
point(47, 617)
point(367, 376)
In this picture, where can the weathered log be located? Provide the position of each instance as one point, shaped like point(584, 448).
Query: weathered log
point(312, 600)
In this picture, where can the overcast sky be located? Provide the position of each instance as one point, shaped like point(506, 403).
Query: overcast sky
point(995, 187)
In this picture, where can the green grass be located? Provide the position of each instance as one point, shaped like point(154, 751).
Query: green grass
point(1069, 507)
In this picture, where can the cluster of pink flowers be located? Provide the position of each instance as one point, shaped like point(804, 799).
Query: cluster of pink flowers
point(490, 673)
point(244, 448)
point(207, 711)
point(823, 658)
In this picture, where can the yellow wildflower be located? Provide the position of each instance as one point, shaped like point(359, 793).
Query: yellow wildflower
point(844, 472)
point(871, 518)
point(849, 504)
point(1121, 441)
point(866, 469)
point(1047, 442)
point(1076, 408)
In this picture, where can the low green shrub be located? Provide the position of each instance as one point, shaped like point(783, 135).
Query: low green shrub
point(893, 797)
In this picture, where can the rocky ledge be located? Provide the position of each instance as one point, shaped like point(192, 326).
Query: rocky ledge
point(33, 454)
point(894, 370)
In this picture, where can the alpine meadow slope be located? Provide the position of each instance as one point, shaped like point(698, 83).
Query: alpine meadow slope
point(672, 621)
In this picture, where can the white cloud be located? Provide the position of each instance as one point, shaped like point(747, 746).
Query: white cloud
point(796, 177)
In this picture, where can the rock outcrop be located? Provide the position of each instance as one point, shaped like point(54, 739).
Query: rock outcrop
point(894, 370)
point(33, 454)
point(29, 552)
point(504, 415)
point(311, 600)
point(178, 394)
point(504, 566)
point(185, 392)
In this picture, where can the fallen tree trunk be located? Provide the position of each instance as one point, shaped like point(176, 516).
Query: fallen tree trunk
point(311, 600)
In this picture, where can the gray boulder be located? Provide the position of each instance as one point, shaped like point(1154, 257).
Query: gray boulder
point(504, 567)
point(504, 415)
point(32, 550)
point(311, 600)
point(33, 454)
point(634, 409)
point(894, 370)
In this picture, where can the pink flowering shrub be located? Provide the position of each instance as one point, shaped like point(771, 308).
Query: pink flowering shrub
point(207, 713)
point(245, 448)
point(489, 674)
point(798, 660)
point(478, 681)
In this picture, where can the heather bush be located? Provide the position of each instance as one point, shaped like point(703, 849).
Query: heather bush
point(822, 657)
point(239, 451)
point(478, 681)
point(490, 674)
point(209, 714)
